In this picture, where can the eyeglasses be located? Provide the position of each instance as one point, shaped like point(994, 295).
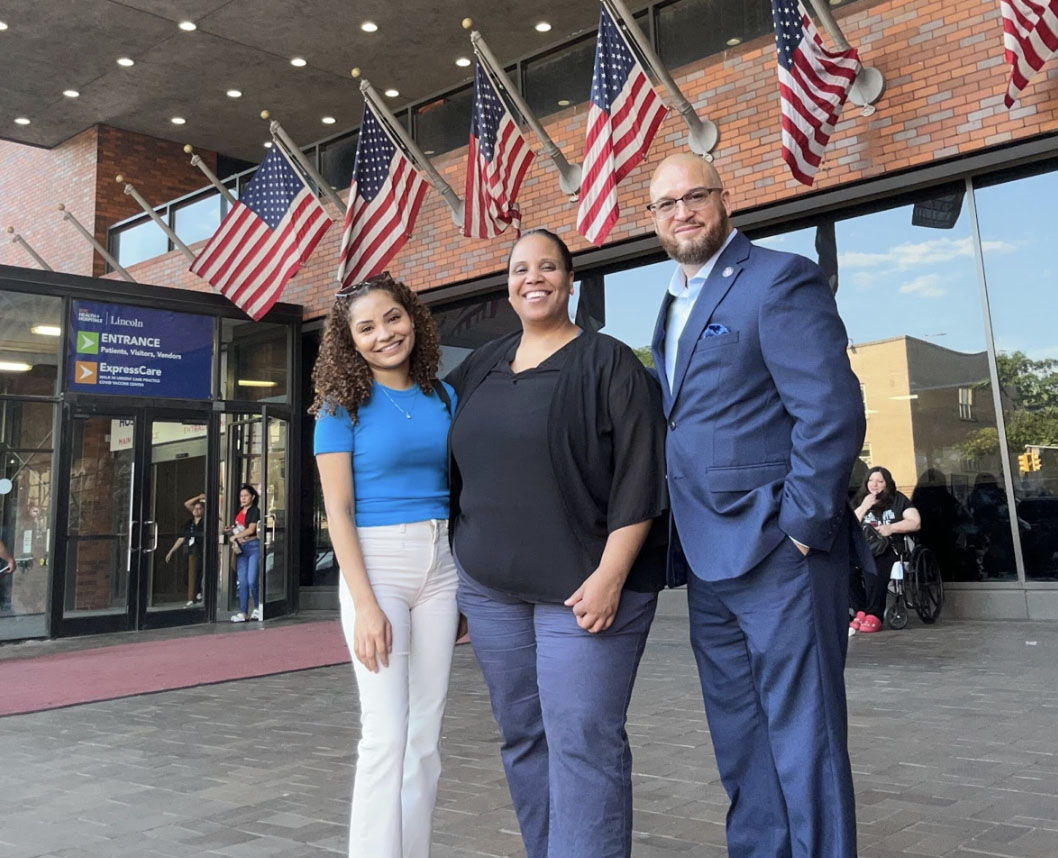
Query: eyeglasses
point(373, 280)
point(693, 200)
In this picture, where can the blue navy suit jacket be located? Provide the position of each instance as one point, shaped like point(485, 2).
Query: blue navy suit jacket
point(765, 415)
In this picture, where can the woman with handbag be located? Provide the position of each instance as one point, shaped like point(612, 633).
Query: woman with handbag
point(243, 537)
point(382, 423)
point(883, 512)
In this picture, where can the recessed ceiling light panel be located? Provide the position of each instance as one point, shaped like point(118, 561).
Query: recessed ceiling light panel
point(369, 27)
point(392, 93)
point(21, 120)
point(70, 93)
point(268, 144)
point(234, 93)
point(178, 120)
point(3, 26)
point(126, 62)
point(543, 27)
point(298, 62)
point(328, 120)
point(188, 26)
point(462, 62)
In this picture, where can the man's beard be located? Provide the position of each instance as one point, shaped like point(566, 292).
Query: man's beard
point(699, 250)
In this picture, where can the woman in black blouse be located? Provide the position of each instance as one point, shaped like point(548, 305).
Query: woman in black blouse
point(557, 477)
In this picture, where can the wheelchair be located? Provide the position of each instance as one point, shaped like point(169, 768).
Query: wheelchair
point(914, 584)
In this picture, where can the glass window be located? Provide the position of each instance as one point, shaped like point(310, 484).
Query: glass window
point(444, 124)
point(30, 338)
point(554, 82)
point(465, 325)
point(197, 220)
point(691, 29)
point(336, 160)
point(25, 503)
point(908, 292)
point(144, 240)
point(1016, 220)
point(254, 361)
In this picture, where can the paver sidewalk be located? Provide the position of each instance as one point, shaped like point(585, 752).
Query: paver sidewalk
point(952, 735)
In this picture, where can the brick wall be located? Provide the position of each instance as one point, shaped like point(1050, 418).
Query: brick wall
point(943, 62)
point(80, 173)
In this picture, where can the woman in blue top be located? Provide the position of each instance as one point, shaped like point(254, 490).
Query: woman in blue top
point(381, 449)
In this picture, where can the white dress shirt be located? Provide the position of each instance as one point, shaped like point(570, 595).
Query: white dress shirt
point(684, 294)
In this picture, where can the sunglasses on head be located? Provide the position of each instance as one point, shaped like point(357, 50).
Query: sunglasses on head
point(363, 285)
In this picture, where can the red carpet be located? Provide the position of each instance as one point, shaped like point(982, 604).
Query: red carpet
point(122, 670)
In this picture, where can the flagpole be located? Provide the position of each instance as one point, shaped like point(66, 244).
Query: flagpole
point(568, 174)
point(209, 174)
point(870, 82)
point(157, 218)
point(18, 239)
point(702, 134)
point(91, 239)
point(421, 161)
point(292, 151)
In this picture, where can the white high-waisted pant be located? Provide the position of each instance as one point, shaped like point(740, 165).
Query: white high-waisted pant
point(398, 758)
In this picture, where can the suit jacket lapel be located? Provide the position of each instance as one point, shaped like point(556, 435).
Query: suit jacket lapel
point(725, 272)
point(657, 349)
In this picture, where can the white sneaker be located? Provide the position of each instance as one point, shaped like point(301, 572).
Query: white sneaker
point(852, 632)
point(238, 618)
point(257, 614)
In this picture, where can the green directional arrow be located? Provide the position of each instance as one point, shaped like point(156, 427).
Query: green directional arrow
point(87, 342)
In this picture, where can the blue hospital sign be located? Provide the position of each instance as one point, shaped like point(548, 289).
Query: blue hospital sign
point(134, 351)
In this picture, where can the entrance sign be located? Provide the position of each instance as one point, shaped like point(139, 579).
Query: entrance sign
point(135, 351)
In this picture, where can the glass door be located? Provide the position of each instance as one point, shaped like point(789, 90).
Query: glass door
point(134, 531)
point(274, 515)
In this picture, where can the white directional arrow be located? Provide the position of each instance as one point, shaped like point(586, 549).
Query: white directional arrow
point(86, 342)
point(86, 372)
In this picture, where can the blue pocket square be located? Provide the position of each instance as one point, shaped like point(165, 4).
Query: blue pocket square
point(715, 330)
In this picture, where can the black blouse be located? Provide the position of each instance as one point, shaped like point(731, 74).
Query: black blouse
point(604, 441)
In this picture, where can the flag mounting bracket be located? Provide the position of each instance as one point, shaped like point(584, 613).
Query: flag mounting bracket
point(870, 82)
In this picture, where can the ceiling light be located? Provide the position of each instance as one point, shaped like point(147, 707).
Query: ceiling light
point(369, 27)
point(563, 102)
point(14, 366)
point(178, 120)
point(254, 382)
point(188, 26)
point(70, 93)
point(462, 62)
point(126, 62)
point(21, 120)
point(298, 62)
point(3, 26)
point(734, 40)
point(46, 330)
point(429, 152)
point(392, 93)
point(234, 93)
point(543, 27)
point(268, 144)
point(328, 120)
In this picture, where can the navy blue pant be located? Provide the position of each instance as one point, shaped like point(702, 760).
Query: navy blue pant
point(560, 697)
point(770, 647)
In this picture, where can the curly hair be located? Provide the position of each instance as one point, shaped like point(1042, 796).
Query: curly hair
point(342, 376)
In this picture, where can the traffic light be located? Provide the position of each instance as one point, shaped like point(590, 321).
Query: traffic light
point(1024, 464)
point(1034, 460)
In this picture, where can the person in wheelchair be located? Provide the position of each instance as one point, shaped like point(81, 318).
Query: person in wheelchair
point(884, 512)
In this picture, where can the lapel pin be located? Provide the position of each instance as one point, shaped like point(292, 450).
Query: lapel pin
point(727, 272)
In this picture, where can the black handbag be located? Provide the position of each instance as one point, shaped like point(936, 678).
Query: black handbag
point(876, 543)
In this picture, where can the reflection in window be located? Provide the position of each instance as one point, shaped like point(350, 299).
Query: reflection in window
point(30, 336)
point(908, 293)
point(444, 124)
point(691, 29)
point(336, 160)
point(254, 361)
point(197, 220)
point(1016, 221)
point(554, 82)
point(139, 242)
point(26, 445)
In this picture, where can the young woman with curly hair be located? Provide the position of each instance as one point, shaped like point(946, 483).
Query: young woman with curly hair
point(382, 423)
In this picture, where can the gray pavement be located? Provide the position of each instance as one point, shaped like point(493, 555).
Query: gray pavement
point(952, 734)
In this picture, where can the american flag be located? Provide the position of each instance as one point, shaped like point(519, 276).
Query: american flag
point(384, 200)
point(1030, 38)
point(813, 86)
point(624, 115)
point(496, 163)
point(264, 239)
